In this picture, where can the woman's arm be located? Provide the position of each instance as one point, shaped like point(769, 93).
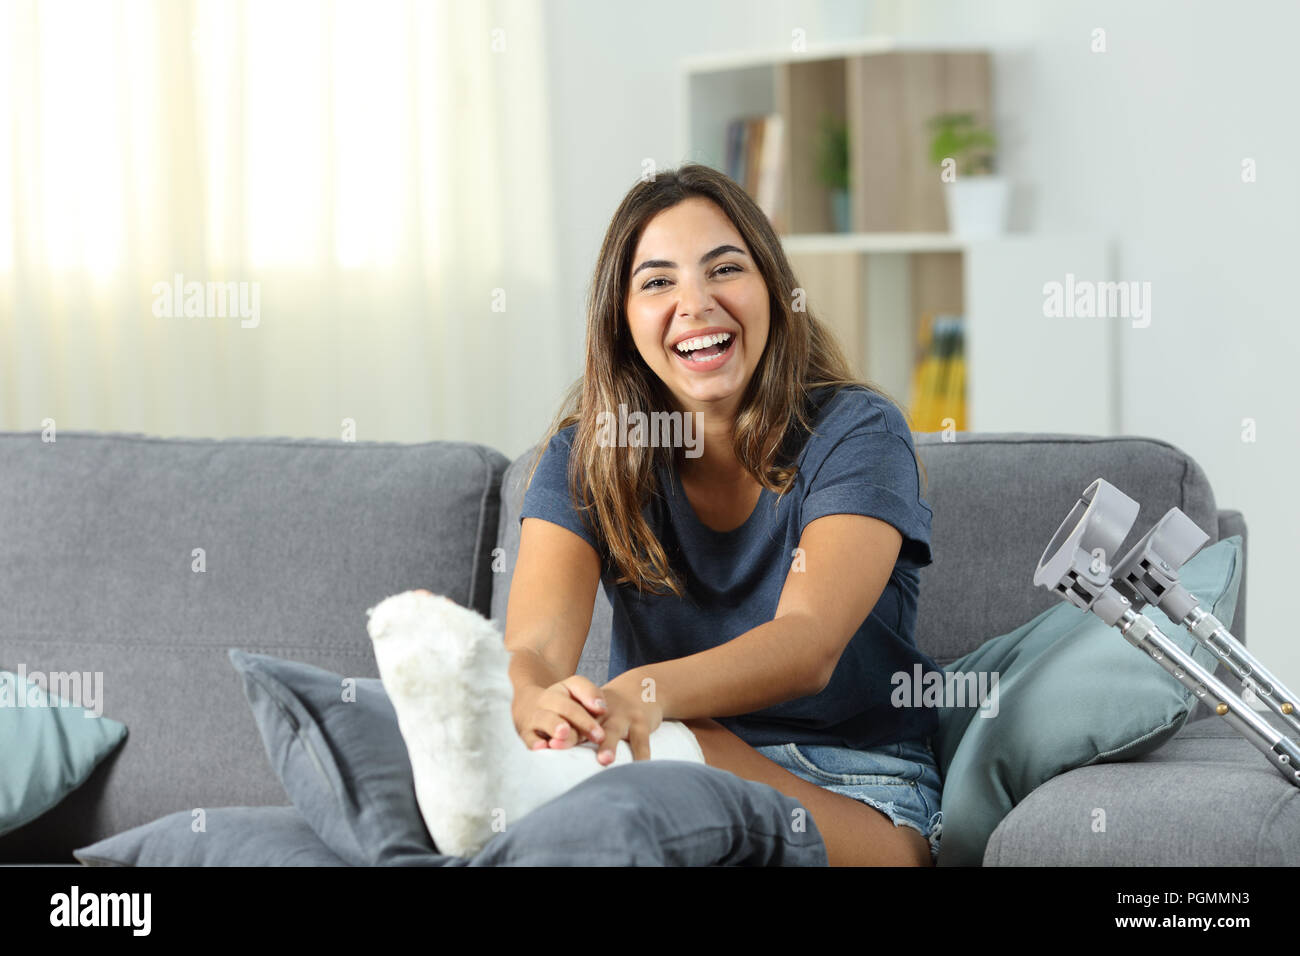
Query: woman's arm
point(552, 596)
point(847, 563)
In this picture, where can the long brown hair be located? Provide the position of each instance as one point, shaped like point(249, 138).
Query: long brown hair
point(610, 484)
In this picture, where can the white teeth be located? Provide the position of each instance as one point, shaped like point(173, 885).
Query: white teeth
point(703, 341)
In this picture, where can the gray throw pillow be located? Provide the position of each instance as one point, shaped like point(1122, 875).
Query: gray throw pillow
point(336, 747)
point(230, 836)
point(662, 813)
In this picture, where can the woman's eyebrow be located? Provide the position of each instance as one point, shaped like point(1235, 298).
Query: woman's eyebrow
point(667, 264)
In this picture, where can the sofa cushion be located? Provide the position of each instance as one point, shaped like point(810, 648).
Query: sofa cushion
point(222, 836)
point(148, 558)
point(997, 501)
point(1070, 692)
point(48, 745)
point(337, 749)
point(1206, 798)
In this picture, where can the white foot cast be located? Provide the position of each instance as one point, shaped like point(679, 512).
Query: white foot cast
point(444, 667)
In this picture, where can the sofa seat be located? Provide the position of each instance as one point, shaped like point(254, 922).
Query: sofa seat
point(1205, 797)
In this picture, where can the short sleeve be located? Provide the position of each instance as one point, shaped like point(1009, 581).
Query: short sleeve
point(547, 496)
point(874, 473)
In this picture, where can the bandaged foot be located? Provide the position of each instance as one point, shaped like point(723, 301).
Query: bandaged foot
point(444, 668)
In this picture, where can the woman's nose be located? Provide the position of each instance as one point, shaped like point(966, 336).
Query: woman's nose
point(695, 299)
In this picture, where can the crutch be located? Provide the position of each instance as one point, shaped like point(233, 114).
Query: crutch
point(1077, 568)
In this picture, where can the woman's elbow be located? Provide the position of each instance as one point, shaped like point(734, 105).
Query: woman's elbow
point(820, 675)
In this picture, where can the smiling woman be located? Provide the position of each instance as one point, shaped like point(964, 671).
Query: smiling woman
point(765, 591)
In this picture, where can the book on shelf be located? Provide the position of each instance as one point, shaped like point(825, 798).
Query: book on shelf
point(755, 160)
point(938, 400)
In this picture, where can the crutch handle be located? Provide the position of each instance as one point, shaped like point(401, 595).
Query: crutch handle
point(1077, 567)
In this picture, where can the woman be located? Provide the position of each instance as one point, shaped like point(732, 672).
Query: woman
point(764, 579)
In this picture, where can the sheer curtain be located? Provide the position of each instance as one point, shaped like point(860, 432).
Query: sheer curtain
point(345, 194)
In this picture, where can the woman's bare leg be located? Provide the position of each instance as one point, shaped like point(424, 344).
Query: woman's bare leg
point(855, 833)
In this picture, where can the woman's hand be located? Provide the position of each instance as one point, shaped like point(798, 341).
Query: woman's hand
point(560, 715)
point(627, 717)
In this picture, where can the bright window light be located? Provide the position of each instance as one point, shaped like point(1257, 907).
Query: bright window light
point(371, 101)
point(81, 195)
point(8, 115)
point(284, 134)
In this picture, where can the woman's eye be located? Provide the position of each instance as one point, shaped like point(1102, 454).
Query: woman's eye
point(717, 271)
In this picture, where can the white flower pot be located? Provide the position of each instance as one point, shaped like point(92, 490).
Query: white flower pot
point(977, 206)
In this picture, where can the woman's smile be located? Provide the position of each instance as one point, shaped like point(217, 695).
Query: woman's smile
point(709, 358)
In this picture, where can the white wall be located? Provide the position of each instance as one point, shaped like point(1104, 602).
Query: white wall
point(1143, 142)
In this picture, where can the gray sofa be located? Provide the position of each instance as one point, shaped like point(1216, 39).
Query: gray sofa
point(298, 537)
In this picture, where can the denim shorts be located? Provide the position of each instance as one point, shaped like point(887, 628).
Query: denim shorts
point(900, 780)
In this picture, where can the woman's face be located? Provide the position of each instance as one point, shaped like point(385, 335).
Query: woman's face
point(692, 276)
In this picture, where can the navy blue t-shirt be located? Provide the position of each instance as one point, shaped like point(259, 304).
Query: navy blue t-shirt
point(859, 459)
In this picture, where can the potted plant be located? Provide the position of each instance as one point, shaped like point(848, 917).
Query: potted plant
point(833, 168)
point(976, 197)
